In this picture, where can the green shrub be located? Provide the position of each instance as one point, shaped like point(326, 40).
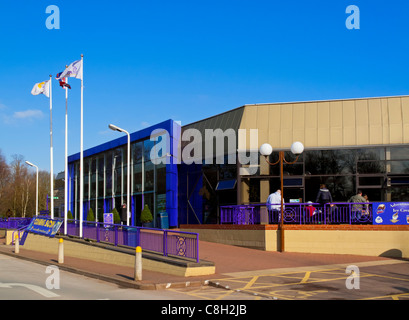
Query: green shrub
point(146, 215)
point(117, 218)
point(90, 215)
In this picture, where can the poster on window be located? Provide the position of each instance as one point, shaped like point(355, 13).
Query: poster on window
point(390, 213)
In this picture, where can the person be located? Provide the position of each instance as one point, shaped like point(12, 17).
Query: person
point(124, 214)
point(274, 204)
point(324, 197)
point(357, 208)
point(367, 205)
point(310, 209)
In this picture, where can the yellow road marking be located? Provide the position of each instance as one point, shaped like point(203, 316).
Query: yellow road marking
point(306, 277)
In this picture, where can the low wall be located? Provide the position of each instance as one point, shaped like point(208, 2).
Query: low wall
point(117, 256)
point(388, 241)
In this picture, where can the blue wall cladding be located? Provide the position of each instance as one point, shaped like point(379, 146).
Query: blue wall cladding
point(171, 130)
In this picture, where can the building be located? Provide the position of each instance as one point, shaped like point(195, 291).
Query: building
point(349, 144)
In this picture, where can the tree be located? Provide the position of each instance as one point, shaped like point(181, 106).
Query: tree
point(90, 215)
point(4, 182)
point(117, 218)
point(146, 215)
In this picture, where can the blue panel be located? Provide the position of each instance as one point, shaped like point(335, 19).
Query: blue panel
point(226, 184)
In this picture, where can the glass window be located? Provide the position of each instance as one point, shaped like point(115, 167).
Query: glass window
point(160, 178)
point(399, 167)
point(108, 174)
point(149, 176)
point(100, 176)
point(399, 153)
point(147, 147)
point(137, 177)
point(330, 161)
point(371, 154)
point(93, 177)
point(371, 181)
point(371, 167)
point(136, 150)
point(86, 178)
point(117, 179)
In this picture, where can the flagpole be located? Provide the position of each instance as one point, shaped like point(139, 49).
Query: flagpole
point(66, 161)
point(51, 152)
point(82, 148)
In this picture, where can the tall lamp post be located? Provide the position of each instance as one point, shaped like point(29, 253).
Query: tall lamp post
point(115, 128)
point(33, 165)
point(265, 150)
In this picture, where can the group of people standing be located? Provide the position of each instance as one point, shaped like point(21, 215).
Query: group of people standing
point(324, 197)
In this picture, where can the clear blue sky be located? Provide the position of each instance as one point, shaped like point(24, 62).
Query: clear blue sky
point(148, 61)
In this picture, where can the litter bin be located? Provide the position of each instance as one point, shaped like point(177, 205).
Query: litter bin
point(164, 220)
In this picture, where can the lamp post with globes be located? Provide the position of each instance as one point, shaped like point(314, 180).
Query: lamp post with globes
point(115, 128)
point(265, 150)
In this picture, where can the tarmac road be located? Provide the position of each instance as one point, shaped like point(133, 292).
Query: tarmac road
point(25, 280)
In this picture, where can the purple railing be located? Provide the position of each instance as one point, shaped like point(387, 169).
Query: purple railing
point(167, 242)
point(299, 213)
point(14, 223)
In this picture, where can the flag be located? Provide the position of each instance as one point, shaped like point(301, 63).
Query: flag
point(63, 81)
point(74, 70)
point(41, 88)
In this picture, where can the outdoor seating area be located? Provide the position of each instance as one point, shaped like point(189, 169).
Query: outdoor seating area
point(298, 213)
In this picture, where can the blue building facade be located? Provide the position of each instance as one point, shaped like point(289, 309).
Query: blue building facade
point(154, 177)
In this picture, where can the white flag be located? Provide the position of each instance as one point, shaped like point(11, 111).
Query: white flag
point(74, 70)
point(41, 88)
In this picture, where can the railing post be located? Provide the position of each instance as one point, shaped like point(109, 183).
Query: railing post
point(197, 247)
point(116, 236)
point(165, 243)
point(97, 231)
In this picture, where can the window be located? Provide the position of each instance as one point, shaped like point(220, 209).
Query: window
point(160, 178)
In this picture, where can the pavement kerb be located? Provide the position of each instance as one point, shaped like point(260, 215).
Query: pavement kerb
point(117, 281)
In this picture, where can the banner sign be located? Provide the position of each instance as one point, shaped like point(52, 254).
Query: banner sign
point(44, 226)
point(390, 213)
point(108, 219)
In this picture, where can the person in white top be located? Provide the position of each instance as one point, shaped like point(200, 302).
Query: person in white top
point(274, 205)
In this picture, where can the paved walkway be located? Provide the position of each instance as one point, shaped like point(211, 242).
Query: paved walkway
point(230, 261)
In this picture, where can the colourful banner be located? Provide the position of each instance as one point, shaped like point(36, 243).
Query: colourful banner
point(44, 226)
point(391, 213)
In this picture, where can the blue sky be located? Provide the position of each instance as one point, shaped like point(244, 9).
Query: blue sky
point(149, 61)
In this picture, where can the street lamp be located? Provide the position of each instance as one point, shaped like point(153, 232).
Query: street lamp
point(265, 150)
point(115, 128)
point(33, 165)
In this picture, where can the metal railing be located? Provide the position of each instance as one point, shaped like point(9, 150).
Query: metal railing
point(299, 213)
point(167, 242)
point(14, 223)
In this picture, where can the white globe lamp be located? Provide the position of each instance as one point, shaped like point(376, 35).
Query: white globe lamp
point(266, 149)
point(297, 148)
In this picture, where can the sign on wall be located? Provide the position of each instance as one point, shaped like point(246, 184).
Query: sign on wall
point(108, 219)
point(390, 213)
point(45, 226)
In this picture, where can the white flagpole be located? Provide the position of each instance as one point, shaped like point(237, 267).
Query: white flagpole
point(51, 151)
point(66, 160)
point(82, 148)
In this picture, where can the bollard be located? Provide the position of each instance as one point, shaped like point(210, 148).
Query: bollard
point(61, 251)
point(17, 243)
point(138, 264)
